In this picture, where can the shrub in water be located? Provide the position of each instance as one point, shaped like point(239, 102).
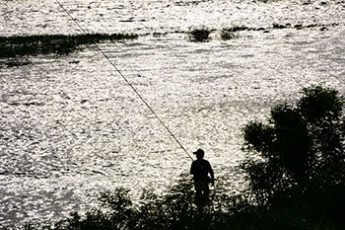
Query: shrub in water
point(227, 35)
point(199, 35)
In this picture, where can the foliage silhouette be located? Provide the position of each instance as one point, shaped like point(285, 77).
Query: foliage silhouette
point(174, 211)
point(200, 34)
point(227, 35)
point(300, 163)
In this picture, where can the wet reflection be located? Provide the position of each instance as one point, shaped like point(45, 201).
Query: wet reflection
point(70, 127)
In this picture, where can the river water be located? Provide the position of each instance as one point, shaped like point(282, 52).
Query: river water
point(70, 126)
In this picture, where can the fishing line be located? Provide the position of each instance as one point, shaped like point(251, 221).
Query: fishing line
point(129, 84)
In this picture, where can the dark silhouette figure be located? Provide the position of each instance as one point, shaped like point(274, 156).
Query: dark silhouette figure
point(201, 169)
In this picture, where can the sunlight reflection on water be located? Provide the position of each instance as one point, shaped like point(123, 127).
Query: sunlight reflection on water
point(71, 127)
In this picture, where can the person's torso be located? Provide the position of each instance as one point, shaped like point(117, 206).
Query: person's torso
point(200, 169)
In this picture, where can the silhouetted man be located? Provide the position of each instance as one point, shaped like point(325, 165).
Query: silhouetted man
point(201, 169)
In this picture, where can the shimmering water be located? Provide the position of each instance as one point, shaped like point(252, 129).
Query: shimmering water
point(71, 127)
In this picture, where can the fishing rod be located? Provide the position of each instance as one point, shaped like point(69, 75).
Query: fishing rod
point(126, 80)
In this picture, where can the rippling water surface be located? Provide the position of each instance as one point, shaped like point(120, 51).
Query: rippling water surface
point(70, 126)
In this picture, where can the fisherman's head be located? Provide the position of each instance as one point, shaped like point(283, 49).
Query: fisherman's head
point(199, 153)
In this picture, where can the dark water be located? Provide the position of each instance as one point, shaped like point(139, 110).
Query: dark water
point(71, 127)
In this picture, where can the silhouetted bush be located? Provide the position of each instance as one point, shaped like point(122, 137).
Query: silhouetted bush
point(200, 34)
point(46, 44)
point(227, 35)
point(175, 211)
point(300, 165)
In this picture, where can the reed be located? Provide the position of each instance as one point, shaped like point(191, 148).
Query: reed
point(58, 44)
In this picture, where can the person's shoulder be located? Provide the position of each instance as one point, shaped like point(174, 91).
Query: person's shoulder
point(205, 161)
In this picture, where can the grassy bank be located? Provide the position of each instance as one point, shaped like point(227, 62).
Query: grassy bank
point(58, 44)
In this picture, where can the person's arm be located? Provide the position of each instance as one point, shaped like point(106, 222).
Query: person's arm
point(192, 169)
point(211, 173)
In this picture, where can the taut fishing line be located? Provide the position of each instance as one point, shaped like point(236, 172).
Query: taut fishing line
point(126, 80)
